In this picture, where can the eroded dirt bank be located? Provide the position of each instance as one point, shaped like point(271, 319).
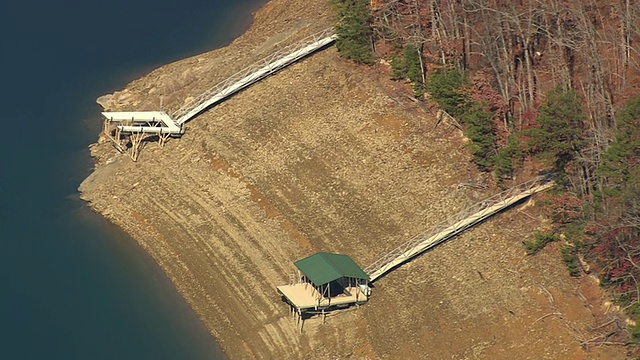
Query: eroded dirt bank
point(318, 158)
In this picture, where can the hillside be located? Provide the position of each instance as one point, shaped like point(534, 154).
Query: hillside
point(322, 157)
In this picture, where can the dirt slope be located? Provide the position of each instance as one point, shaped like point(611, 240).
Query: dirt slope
point(318, 158)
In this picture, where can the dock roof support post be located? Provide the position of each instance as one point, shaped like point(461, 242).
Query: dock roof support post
point(357, 291)
point(301, 320)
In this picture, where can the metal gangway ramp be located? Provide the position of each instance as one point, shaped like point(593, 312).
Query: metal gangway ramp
point(254, 73)
point(455, 225)
point(159, 122)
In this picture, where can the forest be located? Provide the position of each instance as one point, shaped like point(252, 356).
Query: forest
point(542, 85)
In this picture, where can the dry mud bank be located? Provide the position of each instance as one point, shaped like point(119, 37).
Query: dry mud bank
point(318, 158)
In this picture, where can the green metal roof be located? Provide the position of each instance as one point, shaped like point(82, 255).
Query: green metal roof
point(323, 268)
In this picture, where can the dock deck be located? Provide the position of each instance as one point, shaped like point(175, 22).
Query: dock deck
point(304, 296)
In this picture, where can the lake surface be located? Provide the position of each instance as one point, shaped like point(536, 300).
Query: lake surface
point(73, 285)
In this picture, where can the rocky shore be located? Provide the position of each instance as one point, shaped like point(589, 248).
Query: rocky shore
point(319, 157)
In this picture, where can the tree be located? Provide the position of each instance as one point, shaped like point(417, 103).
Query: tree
point(507, 159)
point(559, 136)
point(355, 35)
point(413, 63)
point(446, 89)
point(409, 66)
point(399, 67)
point(621, 162)
point(449, 89)
point(479, 130)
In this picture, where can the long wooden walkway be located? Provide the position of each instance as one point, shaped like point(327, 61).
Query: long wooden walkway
point(254, 73)
point(454, 226)
point(159, 122)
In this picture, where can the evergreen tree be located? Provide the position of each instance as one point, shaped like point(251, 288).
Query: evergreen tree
point(399, 67)
point(445, 88)
point(412, 63)
point(621, 162)
point(506, 159)
point(354, 30)
point(409, 66)
point(479, 129)
point(559, 136)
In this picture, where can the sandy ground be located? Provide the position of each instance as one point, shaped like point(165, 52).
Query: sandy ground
point(319, 157)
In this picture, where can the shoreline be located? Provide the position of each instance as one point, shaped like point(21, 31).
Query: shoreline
point(107, 166)
point(319, 158)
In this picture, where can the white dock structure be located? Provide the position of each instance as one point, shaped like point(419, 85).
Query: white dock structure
point(454, 226)
point(138, 123)
point(155, 122)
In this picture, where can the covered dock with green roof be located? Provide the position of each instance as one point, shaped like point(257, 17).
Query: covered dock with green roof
point(325, 281)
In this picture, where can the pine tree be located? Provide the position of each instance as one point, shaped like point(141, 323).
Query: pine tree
point(479, 130)
point(399, 68)
point(412, 62)
point(621, 162)
point(506, 159)
point(559, 137)
point(408, 65)
point(445, 88)
point(354, 30)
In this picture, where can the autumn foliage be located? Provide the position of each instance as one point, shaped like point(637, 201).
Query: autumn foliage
point(554, 81)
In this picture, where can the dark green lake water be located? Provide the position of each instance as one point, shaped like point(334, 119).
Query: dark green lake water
point(73, 285)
